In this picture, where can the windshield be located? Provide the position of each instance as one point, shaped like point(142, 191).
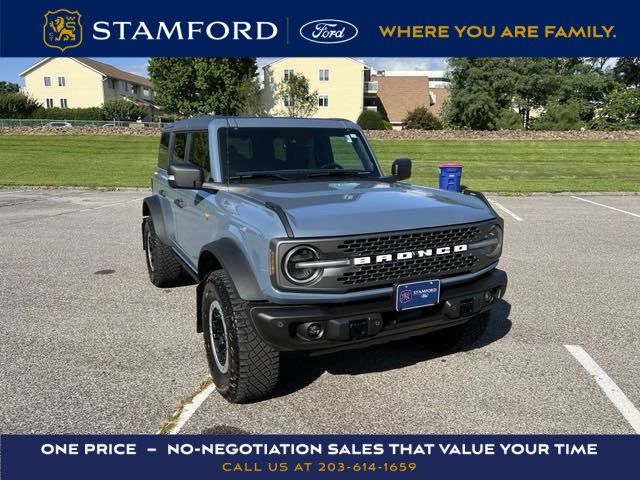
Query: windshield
point(293, 153)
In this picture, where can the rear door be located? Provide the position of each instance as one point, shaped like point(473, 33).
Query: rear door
point(160, 181)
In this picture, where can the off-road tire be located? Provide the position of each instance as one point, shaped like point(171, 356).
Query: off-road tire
point(460, 337)
point(252, 365)
point(163, 266)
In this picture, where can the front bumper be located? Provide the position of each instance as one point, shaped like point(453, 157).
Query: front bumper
point(360, 324)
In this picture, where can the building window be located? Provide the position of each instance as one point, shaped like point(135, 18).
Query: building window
point(134, 89)
point(61, 82)
point(324, 74)
point(49, 102)
point(288, 73)
point(111, 83)
point(145, 91)
point(323, 101)
point(63, 103)
point(47, 81)
point(123, 85)
point(287, 101)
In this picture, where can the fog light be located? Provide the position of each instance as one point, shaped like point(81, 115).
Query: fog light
point(488, 296)
point(314, 330)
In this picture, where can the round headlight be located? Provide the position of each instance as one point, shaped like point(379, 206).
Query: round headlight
point(297, 274)
point(494, 235)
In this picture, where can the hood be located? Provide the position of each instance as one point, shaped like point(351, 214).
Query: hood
point(337, 208)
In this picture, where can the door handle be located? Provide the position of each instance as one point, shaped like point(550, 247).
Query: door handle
point(179, 202)
point(163, 193)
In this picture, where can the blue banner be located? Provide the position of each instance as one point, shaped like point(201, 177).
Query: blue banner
point(303, 456)
point(190, 28)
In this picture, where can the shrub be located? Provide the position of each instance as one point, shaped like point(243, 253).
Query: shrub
point(17, 105)
point(387, 125)
point(90, 113)
point(123, 110)
point(422, 119)
point(509, 120)
point(370, 120)
point(559, 116)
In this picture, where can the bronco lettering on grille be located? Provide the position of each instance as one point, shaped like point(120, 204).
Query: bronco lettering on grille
point(389, 257)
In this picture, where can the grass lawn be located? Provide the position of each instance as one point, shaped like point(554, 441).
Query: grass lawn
point(498, 166)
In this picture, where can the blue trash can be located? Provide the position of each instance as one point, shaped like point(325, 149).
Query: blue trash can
point(450, 176)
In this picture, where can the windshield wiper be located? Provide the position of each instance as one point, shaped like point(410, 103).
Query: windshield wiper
point(250, 175)
point(339, 173)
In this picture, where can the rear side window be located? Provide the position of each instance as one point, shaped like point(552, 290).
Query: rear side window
point(163, 151)
point(179, 146)
point(199, 151)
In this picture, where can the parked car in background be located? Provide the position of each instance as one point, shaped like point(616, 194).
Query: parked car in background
point(59, 124)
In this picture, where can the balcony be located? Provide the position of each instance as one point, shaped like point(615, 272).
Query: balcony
point(370, 88)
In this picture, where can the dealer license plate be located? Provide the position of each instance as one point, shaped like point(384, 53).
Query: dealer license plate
point(417, 294)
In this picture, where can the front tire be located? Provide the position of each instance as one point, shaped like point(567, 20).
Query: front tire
point(243, 366)
point(460, 337)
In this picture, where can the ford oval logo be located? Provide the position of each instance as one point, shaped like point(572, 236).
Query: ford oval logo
point(328, 30)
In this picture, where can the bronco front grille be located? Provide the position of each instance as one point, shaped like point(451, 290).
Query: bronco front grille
point(440, 266)
point(406, 242)
point(377, 274)
point(425, 267)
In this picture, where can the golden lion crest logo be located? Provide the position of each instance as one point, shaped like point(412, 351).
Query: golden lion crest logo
point(62, 29)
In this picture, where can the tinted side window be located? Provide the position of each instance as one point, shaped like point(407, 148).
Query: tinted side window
point(199, 152)
point(179, 145)
point(163, 151)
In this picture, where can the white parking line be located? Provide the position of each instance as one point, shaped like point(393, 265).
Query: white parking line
point(606, 206)
point(608, 386)
point(187, 410)
point(506, 210)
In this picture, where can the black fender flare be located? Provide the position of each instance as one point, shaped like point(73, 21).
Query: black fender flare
point(226, 254)
point(159, 210)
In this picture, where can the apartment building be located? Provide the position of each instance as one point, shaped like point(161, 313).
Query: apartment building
point(84, 82)
point(344, 85)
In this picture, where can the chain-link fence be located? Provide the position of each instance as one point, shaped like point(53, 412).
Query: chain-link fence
point(49, 122)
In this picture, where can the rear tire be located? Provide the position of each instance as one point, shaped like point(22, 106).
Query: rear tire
point(163, 266)
point(460, 337)
point(243, 366)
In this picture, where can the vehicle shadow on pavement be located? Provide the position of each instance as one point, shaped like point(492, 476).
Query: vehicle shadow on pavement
point(298, 370)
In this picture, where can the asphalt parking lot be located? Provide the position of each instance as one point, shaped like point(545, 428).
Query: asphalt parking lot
point(88, 345)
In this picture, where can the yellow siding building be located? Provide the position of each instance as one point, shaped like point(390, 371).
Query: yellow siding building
point(342, 83)
point(84, 82)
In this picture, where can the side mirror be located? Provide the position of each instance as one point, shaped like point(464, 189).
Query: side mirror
point(401, 168)
point(185, 175)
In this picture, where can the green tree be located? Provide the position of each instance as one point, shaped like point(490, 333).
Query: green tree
point(560, 116)
point(296, 97)
point(17, 105)
point(480, 89)
point(421, 118)
point(199, 86)
point(9, 87)
point(621, 110)
point(122, 109)
point(484, 89)
point(537, 81)
point(627, 70)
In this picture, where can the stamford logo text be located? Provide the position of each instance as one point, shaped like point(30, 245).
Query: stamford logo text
point(191, 30)
point(328, 31)
point(429, 252)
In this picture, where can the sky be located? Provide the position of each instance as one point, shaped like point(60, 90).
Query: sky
point(11, 67)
